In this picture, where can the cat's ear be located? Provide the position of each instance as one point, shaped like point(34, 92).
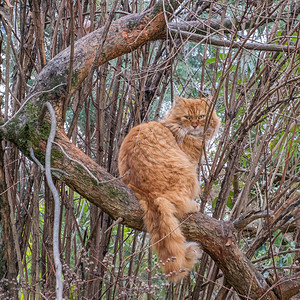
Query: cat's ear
point(178, 100)
point(208, 99)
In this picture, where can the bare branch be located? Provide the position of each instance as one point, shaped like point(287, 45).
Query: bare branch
point(203, 39)
point(56, 231)
point(249, 217)
point(116, 199)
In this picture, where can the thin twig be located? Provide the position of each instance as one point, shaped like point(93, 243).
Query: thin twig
point(56, 252)
point(119, 220)
point(94, 65)
point(203, 39)
point(276, 254)
point(42, 167)
point(247, 218)
point(78, 162)
point(36, 160)
point(31, 96)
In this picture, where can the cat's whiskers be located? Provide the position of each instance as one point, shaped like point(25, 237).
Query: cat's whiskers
point(197, 133)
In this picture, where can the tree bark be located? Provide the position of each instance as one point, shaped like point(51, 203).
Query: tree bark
point(116, 199)
point(29, 129)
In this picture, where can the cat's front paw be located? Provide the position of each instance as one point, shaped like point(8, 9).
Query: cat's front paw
point(194, 207)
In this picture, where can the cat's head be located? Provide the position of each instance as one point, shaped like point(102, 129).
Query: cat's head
point(192, 117)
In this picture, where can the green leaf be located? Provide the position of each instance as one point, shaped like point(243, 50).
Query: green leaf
point(210, 61)
point(222, 56)
point(229, 203)
point(214, 203)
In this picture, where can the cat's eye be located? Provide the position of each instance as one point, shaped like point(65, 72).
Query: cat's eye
point(187, 117)
point(201, 117)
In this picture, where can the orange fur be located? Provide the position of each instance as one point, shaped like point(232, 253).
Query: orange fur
point(161, 160)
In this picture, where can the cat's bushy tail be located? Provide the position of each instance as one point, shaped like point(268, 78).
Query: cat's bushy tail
point(176, 256)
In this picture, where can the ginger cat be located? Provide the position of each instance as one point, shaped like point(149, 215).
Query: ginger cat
point(161, 160)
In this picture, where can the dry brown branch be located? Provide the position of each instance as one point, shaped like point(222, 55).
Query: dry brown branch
point(263, 94)
point(202, 39)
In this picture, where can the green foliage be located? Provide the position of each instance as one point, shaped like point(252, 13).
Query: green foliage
point(282, 253)
point(235, 76)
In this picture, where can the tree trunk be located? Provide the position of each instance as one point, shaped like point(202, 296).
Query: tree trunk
point(29, 129)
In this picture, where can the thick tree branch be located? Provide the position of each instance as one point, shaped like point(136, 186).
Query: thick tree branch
point(290, 286)
point(95, 184)
point(116, 199)
point(125, 35)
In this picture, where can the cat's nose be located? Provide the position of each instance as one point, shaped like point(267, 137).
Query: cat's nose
point(194, 124)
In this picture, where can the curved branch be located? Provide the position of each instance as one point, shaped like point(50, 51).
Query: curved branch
point(125, 35)
point(245, 219)
point(116, 199)
point(96, 185)
point(56, 253)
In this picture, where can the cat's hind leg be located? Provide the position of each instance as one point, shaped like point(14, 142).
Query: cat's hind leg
point(193, 207)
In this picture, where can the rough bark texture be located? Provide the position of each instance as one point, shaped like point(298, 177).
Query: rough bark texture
point(115, 198)
point(112, 196)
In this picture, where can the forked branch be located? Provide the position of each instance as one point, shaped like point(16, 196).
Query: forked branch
point(111, 195)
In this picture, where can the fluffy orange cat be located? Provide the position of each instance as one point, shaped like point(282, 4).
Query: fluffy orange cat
point(160, 160)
